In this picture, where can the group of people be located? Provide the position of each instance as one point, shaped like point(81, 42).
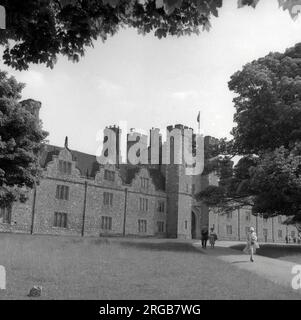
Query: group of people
point(251, 246)
point(205, 235)
point(293, 239)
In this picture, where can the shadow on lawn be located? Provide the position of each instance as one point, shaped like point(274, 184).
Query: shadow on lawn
point(273, 251)
point(162, 246)
point(241, 261)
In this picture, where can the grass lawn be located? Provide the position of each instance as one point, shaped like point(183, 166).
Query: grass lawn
point(115, 268)
point(277, 251)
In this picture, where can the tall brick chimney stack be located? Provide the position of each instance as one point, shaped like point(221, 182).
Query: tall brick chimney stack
point(32, 106)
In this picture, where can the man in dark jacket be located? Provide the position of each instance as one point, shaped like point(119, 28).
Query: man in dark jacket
point(204, 235)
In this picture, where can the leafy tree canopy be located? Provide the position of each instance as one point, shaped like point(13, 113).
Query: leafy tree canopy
point(38, 31)
point(267, 137)
point(268, 102)
point(21, 139)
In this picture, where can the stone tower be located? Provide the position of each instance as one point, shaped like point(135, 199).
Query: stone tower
point(178, 186)
point(201, 182)
point(112, 134)
point(32, 106)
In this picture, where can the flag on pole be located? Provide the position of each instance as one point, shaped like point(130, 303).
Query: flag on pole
point(199, 117)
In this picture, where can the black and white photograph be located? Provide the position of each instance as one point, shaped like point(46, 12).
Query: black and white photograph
point(150, 152)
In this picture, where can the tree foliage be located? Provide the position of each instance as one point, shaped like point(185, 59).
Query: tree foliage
point(276, 182)
point(268, 102)
point(267, 137)
point(39, 30)
point(21, 139)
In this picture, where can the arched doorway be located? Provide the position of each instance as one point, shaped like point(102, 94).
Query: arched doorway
point(193, 225)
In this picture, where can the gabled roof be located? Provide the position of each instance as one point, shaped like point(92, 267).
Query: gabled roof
point(88, 166)
point(128, 172)
point(86, 163)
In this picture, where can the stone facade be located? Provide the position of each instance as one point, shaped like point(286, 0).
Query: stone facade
point(116, 205)
point(138, 208)
point(235, 226)
point(77, 196)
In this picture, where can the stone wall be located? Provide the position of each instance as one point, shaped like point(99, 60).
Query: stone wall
point(21, 217)
point(268, 230)
point(85, 206)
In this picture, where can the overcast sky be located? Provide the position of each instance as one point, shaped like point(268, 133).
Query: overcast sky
point(153, 83)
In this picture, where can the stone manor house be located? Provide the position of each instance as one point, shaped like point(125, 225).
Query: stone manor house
point(78, 196)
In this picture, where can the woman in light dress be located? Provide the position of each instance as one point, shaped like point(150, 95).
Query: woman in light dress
point(212, 238)
point(252, 243)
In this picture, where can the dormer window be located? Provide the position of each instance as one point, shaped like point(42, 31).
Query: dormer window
point(65, 167)
point(144, 183)
point(109, 175)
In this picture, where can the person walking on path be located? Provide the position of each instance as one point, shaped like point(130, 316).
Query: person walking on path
point(204, 236)
point(252, 243)
point(212, 238)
